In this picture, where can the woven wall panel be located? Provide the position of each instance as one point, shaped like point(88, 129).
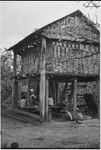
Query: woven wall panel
point(30, 63)
point(87, 88)
point(71, 57)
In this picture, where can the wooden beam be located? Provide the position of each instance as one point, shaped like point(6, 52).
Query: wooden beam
point(28, 114)
point(98, 96)
point(42, 80)
point(75, 97)
point(14, 84)
point(28, 99)
point(56, 92)
point(46, 99)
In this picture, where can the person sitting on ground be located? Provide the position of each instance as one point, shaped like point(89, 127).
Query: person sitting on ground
point(77, 116)
point(50, 101)
point(23, 101)
point(33, 97)
point(50, 104)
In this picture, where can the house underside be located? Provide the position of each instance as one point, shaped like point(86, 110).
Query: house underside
point(61, 87)
point(59, 61)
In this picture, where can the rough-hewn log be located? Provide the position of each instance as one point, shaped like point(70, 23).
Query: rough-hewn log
point(75, 97)
point(56, 92)
point(46, 99)
point(27, 114)
point(98, 96)
point(14, 84)
point(28, 99)
point(42, 80)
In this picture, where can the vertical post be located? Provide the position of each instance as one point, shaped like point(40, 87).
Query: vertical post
point(15, 83)
point(98, 96)
point(56, 92)
point(28, 100)
point(46, 99)
point(75, 97)
point(42, 80)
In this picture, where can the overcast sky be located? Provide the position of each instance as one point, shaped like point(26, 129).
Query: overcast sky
point(20, 18)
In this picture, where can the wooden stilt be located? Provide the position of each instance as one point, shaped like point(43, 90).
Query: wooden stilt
point(75, 97)
point(14, 84)
point(98, 96)
point(46, 99)
point(28, 99)
point(56, 92)
point(42, 81)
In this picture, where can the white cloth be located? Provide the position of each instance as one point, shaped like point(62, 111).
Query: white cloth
point(69, 115)
point(22, 103)
point(50, 101)
point(33, 96)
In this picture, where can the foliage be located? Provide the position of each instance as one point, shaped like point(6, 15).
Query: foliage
point(6, 76)
point(6, 73)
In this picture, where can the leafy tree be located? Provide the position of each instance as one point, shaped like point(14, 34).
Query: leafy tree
point(6, 73)
point(6, 76)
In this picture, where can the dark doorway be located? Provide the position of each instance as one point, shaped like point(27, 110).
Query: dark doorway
point(92, 106)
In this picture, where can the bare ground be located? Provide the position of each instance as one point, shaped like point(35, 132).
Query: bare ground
point(55, 134)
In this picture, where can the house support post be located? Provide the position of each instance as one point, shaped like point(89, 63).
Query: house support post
point(46, 98)
point(75, 97)
point(28, 99)
point(98, 96)
point(42, 81)
point(14, 84)
point(56, 92)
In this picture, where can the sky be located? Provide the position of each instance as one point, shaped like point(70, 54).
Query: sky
point(20, 18)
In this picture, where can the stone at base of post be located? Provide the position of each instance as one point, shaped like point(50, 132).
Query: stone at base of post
point(41, 118)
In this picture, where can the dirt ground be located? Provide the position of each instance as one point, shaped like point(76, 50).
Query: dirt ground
point(54, 134)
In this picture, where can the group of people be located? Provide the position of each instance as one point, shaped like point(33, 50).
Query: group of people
point(33, 98)
point(23, 102)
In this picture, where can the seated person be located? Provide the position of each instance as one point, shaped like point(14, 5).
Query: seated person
point(23, 101)
point(50, 101)
point(33, 97)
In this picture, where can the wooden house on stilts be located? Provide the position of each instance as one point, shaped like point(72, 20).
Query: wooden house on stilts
point(61, 60)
